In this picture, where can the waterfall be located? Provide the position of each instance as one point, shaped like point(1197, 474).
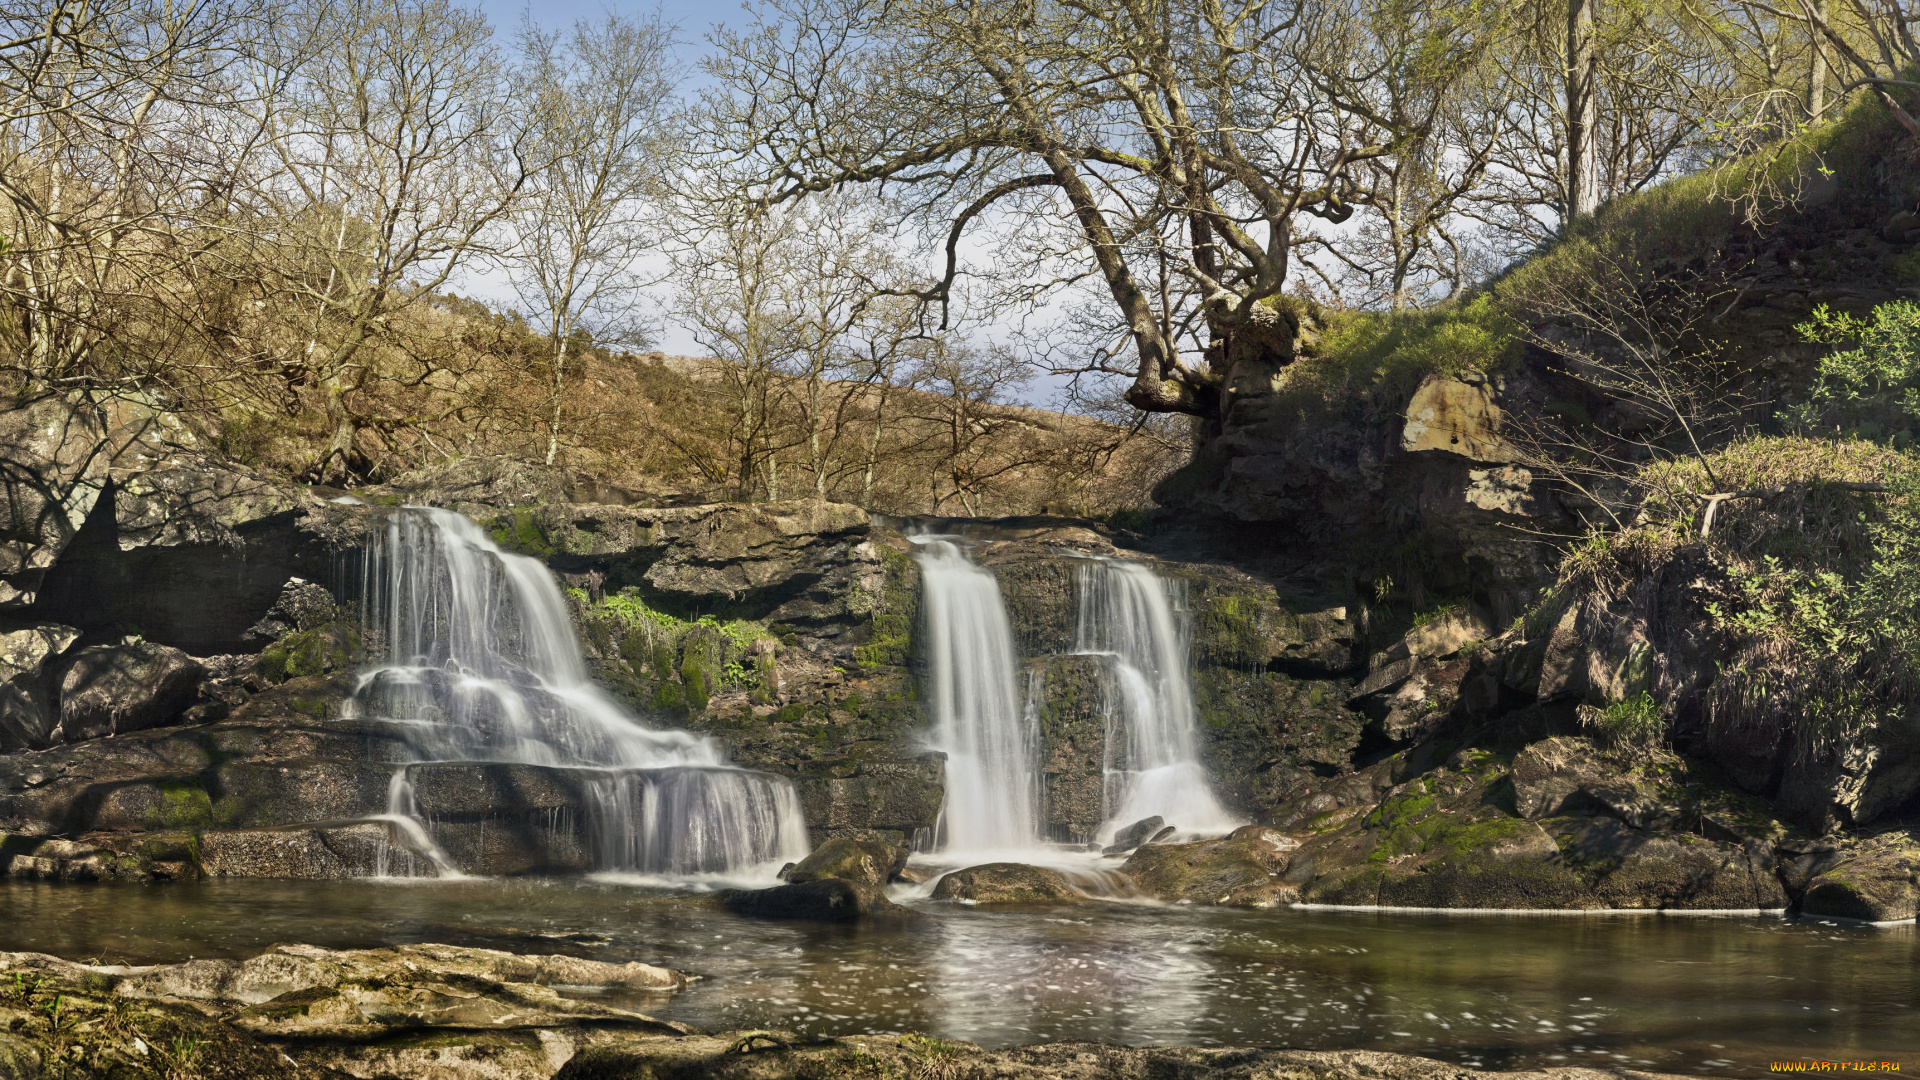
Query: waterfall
point(1152, 766)
point(482, 666)
point(990, 741)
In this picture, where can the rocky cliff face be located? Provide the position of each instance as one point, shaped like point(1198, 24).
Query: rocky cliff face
point(181, 635)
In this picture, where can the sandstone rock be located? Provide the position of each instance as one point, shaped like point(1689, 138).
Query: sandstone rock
point(1241, 871)
point(1456, 417)
point(1134, 835)
point(823, 899)
point(130, 686)
point(1007, 883)
point(1875, 880)
point(27, 656)
point(866, 861)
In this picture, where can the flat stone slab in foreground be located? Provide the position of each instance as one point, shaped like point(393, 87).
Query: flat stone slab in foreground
point(437, 1012)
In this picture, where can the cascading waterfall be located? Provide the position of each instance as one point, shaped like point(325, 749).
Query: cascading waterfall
point(990, 741)
point(1152, 766)
point(483, 666)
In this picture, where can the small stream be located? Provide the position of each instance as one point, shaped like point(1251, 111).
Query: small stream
point(1717, 996)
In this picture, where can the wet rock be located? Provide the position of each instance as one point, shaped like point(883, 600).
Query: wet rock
point(1007, 883)
point(426, 1012)
point(1876, 879)
point(27, 657)
point(868, 861)
point(823, 899)
point(1244, 870)
point(1134, 835)
point(129, 686)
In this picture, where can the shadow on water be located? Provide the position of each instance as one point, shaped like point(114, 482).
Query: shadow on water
point(1703, 995)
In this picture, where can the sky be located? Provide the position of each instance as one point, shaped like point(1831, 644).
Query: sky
point(694, 20)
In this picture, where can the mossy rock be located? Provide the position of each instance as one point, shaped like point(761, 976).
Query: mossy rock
point(322, 650)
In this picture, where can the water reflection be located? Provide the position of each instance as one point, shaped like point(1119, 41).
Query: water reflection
point(1702, 995)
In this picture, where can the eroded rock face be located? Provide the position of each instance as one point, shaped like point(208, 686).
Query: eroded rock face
point(431, 1012)
point(1007, 883)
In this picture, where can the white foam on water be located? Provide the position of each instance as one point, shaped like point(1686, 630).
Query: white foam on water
point(1128, 617)
point(991, 742)
point(482, 666)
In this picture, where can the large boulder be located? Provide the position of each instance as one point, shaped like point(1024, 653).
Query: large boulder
point(1244, 870)
point(1875, 879)
point(823, 899)
point(1007, 883)
point(128, 686)
point(27, 660)
point(1672, 871)
point(868, 860)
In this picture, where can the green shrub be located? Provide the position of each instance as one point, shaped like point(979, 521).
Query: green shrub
point(1871, 390)
point(1636, 722)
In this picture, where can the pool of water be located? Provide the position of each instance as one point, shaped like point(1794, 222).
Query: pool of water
point(1703, 995)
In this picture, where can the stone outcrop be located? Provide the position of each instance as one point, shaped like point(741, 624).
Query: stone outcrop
point(127, 686)
point(422, 1011)
point(1563, 824)
point(1873, 879)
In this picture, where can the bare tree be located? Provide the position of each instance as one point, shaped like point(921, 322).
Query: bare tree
point(1105, 132)
point(596, 103)
point(1645, 348)
point(383, 170)
point(114, 156)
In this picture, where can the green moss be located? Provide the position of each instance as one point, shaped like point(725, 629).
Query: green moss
point(521, 530)
point(324, 649)
point(695, 681)
point(893, 613)
point(182, 806)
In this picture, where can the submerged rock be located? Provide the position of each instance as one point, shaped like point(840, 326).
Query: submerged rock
point(1244, 870)
point(869, 861)
point(785, 1055)
point(1007, 883)
point(825, 899)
